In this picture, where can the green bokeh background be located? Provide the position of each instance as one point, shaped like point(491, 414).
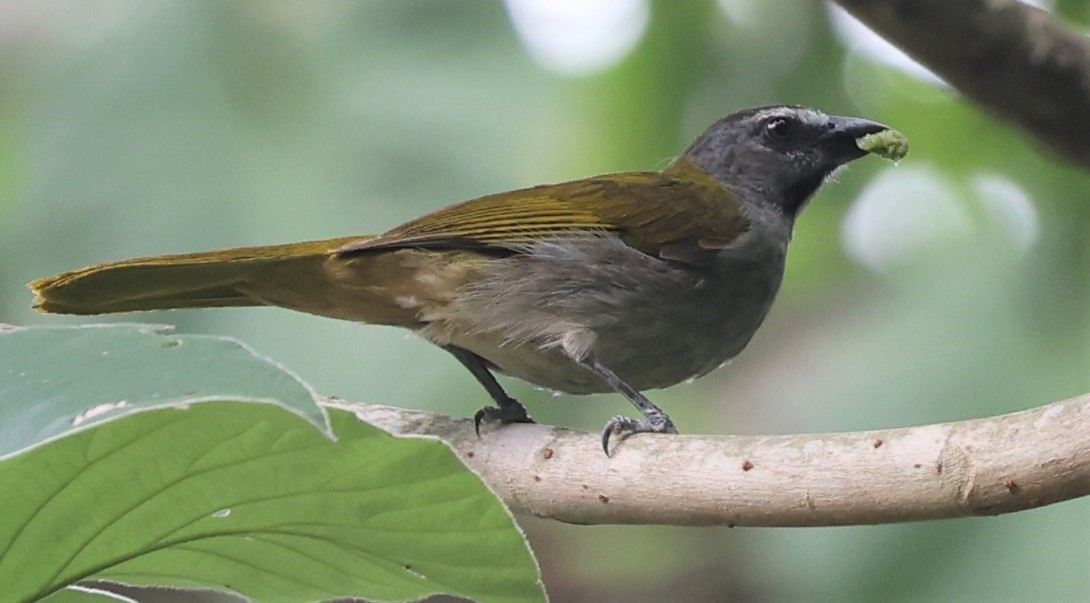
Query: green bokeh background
point(140, 128)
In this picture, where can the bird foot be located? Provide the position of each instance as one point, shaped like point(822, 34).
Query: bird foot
point(655, 422)
point(509, 411)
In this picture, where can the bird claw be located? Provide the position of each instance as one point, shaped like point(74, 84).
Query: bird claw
point(510, 412)
point(653, 423)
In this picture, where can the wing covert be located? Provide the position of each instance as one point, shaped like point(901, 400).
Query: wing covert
point(678, 214)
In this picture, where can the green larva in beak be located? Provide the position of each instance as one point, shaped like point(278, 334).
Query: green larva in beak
point(889, 144)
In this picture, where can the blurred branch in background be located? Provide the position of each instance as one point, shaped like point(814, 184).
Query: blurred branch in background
point(990, 466)
point(1013, 59)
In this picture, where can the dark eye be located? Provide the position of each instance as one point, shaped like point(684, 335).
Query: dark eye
point(779, 128)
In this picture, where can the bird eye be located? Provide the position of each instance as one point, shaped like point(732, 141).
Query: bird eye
point(779, 128)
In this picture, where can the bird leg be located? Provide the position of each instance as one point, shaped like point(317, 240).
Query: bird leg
point(654, 419)
point(507, 409)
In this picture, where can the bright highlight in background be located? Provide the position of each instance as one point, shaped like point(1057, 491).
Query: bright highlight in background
point(579, 37)
point(904, 212)
point(1009, 207)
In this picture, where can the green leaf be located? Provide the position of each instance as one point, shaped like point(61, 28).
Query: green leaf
point(251, 499)
point(86, 594)
point(54, 380)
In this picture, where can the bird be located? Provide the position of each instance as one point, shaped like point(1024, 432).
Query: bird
point(622, 282)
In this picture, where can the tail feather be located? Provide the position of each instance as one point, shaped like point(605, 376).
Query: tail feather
point(195, 280)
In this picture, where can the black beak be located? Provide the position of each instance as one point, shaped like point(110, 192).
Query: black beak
point(842, 133)
point(836, 146)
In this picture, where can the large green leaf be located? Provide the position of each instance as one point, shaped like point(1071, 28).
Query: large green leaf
point(54, 380)
point(81, 594)
point(244, 497)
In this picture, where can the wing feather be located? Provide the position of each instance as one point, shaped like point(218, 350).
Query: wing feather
point(678, 214)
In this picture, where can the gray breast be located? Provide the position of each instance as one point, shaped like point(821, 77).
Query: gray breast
point(653, 322)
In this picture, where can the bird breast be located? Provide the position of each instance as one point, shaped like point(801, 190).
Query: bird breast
point(653, 322)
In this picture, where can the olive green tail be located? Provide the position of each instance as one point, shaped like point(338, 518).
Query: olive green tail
point(213, 279)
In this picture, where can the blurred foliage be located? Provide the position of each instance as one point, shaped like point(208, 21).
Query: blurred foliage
point(171, 126)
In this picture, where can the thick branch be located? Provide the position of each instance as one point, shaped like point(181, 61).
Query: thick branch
point(981, 467)
point(1013, 59)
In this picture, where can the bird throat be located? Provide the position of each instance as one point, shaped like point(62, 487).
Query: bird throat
point(799, 193)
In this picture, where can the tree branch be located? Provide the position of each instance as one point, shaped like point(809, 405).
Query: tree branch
point(1013, 59)
point(987, 466)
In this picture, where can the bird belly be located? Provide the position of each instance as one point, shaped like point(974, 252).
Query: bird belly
point(653, 322)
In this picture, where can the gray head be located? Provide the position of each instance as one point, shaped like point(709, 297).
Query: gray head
point(782, 153)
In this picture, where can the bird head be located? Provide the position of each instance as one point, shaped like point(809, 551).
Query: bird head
point(780, 154)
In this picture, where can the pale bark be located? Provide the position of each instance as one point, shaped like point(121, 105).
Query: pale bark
point(980, 467)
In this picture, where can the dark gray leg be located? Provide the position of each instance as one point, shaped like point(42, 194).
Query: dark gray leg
point(507, 409)
point(654, 421)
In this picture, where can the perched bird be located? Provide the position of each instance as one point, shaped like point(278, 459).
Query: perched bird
point(621, 282)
